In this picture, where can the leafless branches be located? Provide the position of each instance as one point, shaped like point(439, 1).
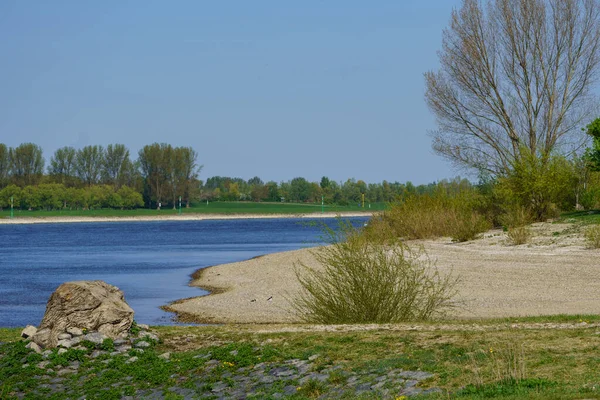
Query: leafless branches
point(514, 75)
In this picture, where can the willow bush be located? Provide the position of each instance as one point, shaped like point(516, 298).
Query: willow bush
point(462, 216)
point(365, 282)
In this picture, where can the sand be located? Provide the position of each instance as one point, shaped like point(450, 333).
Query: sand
point(554, 274)
point(185, 217)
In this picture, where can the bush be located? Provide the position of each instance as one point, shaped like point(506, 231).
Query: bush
point(366, 282)
point(516, 221)
point(592, 236)
point(458, 215)
point(544, 186)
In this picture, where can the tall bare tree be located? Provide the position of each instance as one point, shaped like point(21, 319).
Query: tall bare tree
point(515, 76)
point(62, 165)
point(117, 165)
point(27, 164)
point(89, 162)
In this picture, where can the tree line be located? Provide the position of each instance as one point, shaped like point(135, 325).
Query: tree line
point(97, 177)
point(107, 177)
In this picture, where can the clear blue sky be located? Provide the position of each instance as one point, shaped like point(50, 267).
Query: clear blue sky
point(277, 89)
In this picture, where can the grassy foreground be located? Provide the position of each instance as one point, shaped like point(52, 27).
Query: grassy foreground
point(533, 358)
point(227, 208)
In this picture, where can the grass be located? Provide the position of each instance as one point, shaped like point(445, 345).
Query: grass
point(200, 208)
point(524, 362)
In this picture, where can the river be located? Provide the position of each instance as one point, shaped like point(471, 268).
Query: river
point(150, 261)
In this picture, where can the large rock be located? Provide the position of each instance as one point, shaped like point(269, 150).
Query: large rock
point(91, 305)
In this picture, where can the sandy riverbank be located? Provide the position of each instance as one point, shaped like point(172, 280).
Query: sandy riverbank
point(185, 217)
point(554, 274)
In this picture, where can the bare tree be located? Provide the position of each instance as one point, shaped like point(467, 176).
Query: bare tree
point(62, 165)
point(515, 76)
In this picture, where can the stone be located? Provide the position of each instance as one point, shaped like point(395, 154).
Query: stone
point(91, 305)
point(132, 359)
point(143, 326)
point(95, 337)
point(73, 331)
point(61, 351)
point(142, 345)
point(34, 346)
point(64, 336)
point(28, 332)
point(165, 356)
point(148, 335)
point(64, 343)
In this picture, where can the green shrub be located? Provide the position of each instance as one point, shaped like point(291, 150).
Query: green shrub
point(592, 236)
point(461, 215)
point(516, 220)
point(543, 186)
point(365, 282)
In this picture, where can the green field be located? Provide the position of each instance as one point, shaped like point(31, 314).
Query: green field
point(226, 208)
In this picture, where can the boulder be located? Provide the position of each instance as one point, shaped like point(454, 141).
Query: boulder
point(86, 305)
point(28, 332)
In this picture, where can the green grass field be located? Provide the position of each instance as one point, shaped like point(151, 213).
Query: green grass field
point(227, 208)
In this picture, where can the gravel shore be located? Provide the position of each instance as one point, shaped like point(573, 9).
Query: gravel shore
point(554, 274)
point(184, 217)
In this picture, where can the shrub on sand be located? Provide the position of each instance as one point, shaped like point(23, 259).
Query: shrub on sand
point(517, 220)
point(438, 214)
point(592, 236)
point(365, 282)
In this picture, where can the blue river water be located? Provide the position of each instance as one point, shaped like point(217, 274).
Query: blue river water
point(151, 262)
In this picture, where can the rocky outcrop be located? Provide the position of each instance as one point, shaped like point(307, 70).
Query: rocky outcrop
point(84, 306)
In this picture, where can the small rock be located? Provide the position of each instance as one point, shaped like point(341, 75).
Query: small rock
point(97, 353)
point(289, 390)
point(64, 343)
point(132, 359)
point(64, 336)
point(313, 357)
point(46, 353)
point(143, 326)
point(123, 349)
point(233, 352)
point(28, 332)
point(142, 345)
point(61, 351)
point(95, 337)
point(74, 331)
point(43, 364)
point(165, 356)
point(33, 346)
point(418, 375)
point(219, 387)
point(120, 342)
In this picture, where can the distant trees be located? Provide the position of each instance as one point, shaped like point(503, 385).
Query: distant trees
point(168, 173)
point(4, 165)
point(26, 164)
point(62, 166)
point(515, 81)
point(89, 163)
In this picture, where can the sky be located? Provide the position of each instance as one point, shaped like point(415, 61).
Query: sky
point(275, 89)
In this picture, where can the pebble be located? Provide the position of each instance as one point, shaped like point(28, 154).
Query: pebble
point(142, 345)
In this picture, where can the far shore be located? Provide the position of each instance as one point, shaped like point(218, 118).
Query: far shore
point(184, 217)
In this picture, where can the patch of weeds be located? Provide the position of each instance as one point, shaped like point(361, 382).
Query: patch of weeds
point(337, 378)
point(108, 345)
point(135, 329)
point(312, 389)
point(509, 387)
